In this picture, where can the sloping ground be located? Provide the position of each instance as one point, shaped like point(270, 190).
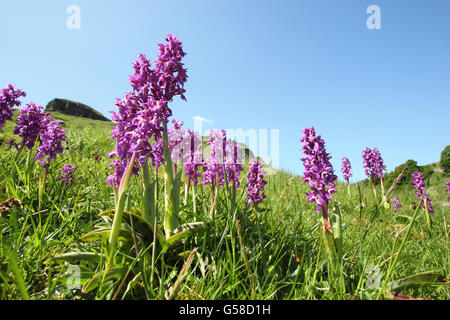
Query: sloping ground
point(67, 122)
point(99, 128)
point(74, 122)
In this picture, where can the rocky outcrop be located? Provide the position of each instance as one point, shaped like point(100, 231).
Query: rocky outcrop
point(74, 108)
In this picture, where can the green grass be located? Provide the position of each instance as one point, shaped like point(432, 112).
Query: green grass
point(272, 252)
point(73, 122)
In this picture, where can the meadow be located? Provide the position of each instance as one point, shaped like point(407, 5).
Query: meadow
point(154, 234)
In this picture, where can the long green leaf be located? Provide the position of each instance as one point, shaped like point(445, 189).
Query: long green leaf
point(96, 279)
point(185, 231)
point(124, 235)
point(420, 280)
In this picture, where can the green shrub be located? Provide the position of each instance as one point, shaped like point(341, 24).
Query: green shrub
point(445, 159)
point(411, 165)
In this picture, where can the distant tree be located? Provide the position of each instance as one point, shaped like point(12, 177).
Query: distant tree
point(410, 165)
point(445, 159)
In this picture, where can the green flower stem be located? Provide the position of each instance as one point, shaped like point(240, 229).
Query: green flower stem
point(427, 213)
point(214, 194)
point(170, 218)
point(42, 186)
point(117, 221)
point(175, 169)
point(336, 221)
point(194, 198)
point(330, 247)
point(332, 240)
point(374, 191)
point(149, 202)
point(187, 187)
point(328, 239)
point(360, 201)
point(233, 198)
point(384, 195)
point(213, 202)
point(168, 164)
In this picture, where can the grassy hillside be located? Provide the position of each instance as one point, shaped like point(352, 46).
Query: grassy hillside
point(73, 122)
point(101, 128)
point(271, 251)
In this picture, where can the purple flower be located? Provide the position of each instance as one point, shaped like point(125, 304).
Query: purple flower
point(51, 138)
point(373, 163)
point(144, 111)
point(136, 123)
point(176, 136)
point(397, 204)
point(213, 167)
point(256, 183)
point(417, 183)
point(448, 189)
point(34, 125)
point(157, 153)
point(171, 75)
point(194, 156)
point(9, 99)
point(30, 122)
point(319, 172)
point(66, 175)
point(346, 169)
point(233, 160)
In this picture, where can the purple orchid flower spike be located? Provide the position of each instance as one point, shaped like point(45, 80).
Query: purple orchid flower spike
point(374, 167)
point(31, 121)
point(319, 173)
point(233, 160)
point(346, 169)
point(346, 172)
point(373, 163)
point(9, 98)
point(397, 205)
point(51, 138)
point(194, 157)
point(33, 125)
point(66, 175)
point(144, 112)
point(214, 169)
point(419, 185)
point(256, 183)
point(448, 190)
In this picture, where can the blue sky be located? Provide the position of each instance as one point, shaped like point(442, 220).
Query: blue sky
point(255, 64)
